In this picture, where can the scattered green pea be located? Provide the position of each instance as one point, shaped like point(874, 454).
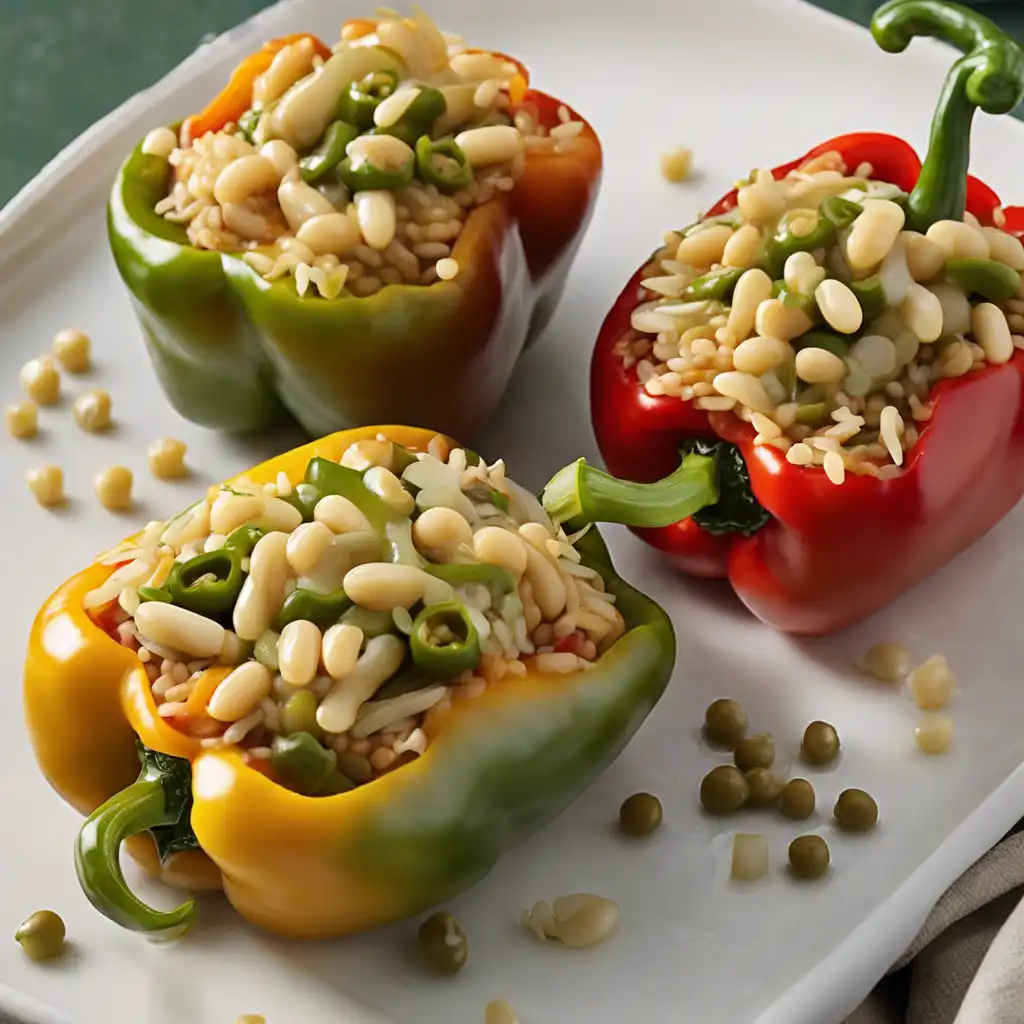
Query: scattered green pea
point(764, 786)
point(443, 943)
point(723, 790)
point(725, 722)
point(640, 815)
point(809, 857)
point(754, 752)
point(855, 811)
point(41, 935)
point(797, 799)
point(820, 744)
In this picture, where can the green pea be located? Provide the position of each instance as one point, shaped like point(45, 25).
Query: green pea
point(809, 857)
point(764, 786)
point(265, 651)
point(299, 714)
point(443, 943)
point(754, 752)
point(820, 744)
point(855, 811)
point(797, 799)
point(640, 815)
point(41, 935)
point(723, 790)
point(725, 722)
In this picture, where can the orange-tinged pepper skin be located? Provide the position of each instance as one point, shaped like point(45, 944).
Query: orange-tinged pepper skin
point(497, 767)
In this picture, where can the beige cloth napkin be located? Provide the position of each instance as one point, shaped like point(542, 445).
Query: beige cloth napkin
point(966, 965)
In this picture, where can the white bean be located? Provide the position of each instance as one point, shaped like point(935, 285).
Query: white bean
point(839, 306)
point(774, 319)
point(493, 144)
point(1005, 248)
point(281, 155)
point(925, 259)
point(873, 233)
point(340, 649)
point(301, 202)
point(382, 482)
point(341, 515)
point(743, 247)
point(439, 531)
point(704, 246)
point(378, 218)
point(802, 273)
point(494, 545)
point(381, 659)
point(240, 692)
point(245, 177)
point(231, 511)
point(298, 652)
point(745, 389)
point(922, 313)
point(819, 366)
point(758, 355)
point(549, 588)
point(330, 234)
point(753, 288)
point(392, 109)
point(958, 240)
point(179, 628)
point(307, 545)
point(384, 586)
point(991, 332)
point(160, 142)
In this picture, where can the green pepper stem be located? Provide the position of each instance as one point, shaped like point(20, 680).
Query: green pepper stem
point(990, 75)
point(583, 494)
point(141, 806)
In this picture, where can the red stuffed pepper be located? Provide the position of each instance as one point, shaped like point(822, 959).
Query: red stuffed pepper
point(834, 352)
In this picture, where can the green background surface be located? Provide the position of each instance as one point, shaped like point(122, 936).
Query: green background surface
point(66, 63)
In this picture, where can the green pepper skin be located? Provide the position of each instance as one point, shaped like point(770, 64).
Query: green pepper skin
point(871, 297)
point(368, 177)
point(361, 99)
point(445, 181)
point(718, 285)
point(785, 243)
point(990, 75)
point(237, 353)
point(828, 340)
point(323, 609)
point(208, 598)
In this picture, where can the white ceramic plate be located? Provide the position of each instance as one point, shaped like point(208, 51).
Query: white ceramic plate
point(692, 947)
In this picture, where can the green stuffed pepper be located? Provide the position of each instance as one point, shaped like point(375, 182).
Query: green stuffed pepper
point(372, 233)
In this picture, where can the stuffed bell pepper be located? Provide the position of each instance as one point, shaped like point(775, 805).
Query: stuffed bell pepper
point(819, 385)
point(353, 678)
point(364, 233)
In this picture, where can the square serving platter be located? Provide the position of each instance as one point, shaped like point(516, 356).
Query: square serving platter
point(743, 83)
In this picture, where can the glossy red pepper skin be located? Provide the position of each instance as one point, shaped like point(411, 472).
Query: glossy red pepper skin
point(830, 556)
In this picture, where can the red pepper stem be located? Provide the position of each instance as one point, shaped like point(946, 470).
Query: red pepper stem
point(583, 494)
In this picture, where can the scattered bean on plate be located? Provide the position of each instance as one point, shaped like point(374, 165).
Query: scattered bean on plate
point(755, 752)
point(443, 943)
point(820, 744)
point(855, 811)
point(41, 935)
point(723, 790)
point(809, 857)
point(640, 815)
point(797, 799)
point(725, 722)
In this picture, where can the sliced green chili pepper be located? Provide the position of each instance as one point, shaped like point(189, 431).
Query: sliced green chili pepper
point(840, 212)
point(304, 497)
point(828, 340)
point(990, 75)
point(368, 177)
point(442, 164)
point(812, 413)
point(500, 501)
point(419, 116)
point(581, 491)
point(190, 590)
point(307, 604)
point(329, 153)
point(991, 279)
point(718, 285)
point(302, 764)
point(247, 123)
point(498, 580)
point(362, 98)
point(370, 622)
point(795, 300)
point(871, 296)
point(455, 650)
point(786, 242)
point(243, 540)
point(154, 594)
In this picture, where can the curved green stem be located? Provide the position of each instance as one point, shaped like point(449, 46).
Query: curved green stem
point(990, 75)
point(143, 805)
point(583, 494)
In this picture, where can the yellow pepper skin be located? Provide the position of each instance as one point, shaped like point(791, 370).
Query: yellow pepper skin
point(497, 767)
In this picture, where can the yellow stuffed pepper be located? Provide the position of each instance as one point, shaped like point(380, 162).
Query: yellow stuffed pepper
point(353, 676)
